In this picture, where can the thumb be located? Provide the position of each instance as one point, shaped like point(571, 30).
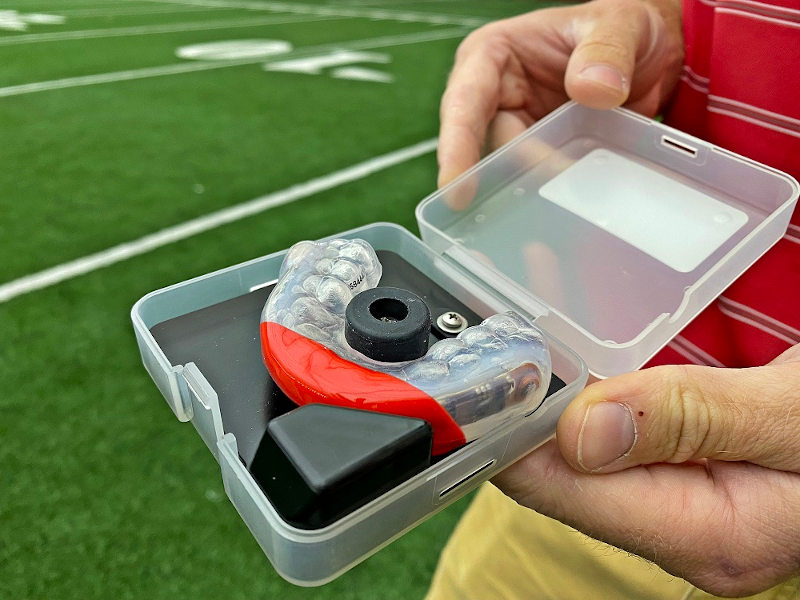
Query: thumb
point(677, 414)
point(600, 69)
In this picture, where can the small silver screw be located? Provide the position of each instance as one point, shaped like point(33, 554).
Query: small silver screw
point(451, 322)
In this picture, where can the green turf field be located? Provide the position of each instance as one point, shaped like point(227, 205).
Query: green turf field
point(108, 136)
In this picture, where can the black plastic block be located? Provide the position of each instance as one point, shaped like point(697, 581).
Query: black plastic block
point(319, 462)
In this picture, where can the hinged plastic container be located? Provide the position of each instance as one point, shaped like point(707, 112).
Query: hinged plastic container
point(619, 229)
point(610, 230)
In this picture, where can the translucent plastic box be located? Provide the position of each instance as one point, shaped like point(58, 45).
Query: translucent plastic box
point(612, 231)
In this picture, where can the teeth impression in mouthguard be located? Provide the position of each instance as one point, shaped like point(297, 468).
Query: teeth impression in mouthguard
point(462, 386)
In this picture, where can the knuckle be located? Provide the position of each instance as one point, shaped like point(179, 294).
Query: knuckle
point(627, 9)
point(467, 44)
point(490, 41)
point(688, 415)
point(454, 101)
point(606, 46)
point(477, 41)
point(459, 113)
point(615, 27)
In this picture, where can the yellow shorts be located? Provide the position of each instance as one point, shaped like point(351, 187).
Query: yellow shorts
point(501, 550)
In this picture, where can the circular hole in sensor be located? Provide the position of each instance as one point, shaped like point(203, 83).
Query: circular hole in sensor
point(389, 310)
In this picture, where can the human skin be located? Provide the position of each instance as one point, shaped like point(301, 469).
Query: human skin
point(695, 468)
point(510, 73)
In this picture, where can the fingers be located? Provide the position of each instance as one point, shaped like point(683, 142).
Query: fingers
point(677, 414)
point(729, 528)
point(627, 52)
point(529, 65)
point(469, 102)
point(506, 125)
point(600, 70)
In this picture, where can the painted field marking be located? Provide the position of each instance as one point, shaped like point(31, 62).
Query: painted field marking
point(189, 67)
point(59, 36)
point(37, 4)
point(169, 235)
point(114, 11)
point(313, 65)
point(339, 11)
point(344, 61)
point(13, 20)
point(234, 49)
point(362, 74)
point(74, 4)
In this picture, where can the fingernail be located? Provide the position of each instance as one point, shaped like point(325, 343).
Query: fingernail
point(605, 75)
point(607, 434)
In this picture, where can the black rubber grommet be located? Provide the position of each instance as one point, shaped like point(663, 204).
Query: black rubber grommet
point(388, 324)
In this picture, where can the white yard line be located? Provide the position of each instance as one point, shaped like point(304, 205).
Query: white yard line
point(189, 66)
point(35, 5)
point(113, 11)
point(339, 11)
point(110, 256)
point(85, 80)
point(85, 34)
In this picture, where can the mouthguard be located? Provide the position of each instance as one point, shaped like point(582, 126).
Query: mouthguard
point(463, 386)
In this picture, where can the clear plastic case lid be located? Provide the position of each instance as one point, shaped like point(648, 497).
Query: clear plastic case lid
point(615, 229)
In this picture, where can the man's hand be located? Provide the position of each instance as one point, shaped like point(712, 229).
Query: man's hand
point(510, 73)
point(694, 468)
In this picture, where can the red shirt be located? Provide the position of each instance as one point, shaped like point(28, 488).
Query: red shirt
point(740, 89)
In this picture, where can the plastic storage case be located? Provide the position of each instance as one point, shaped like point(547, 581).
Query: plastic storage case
point(611, 230)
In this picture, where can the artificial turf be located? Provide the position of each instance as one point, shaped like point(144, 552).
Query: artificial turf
point(102, 492)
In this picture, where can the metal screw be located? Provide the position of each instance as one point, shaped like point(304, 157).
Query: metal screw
point(451, 322)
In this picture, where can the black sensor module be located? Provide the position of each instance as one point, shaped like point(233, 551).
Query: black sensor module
point(388, 324)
